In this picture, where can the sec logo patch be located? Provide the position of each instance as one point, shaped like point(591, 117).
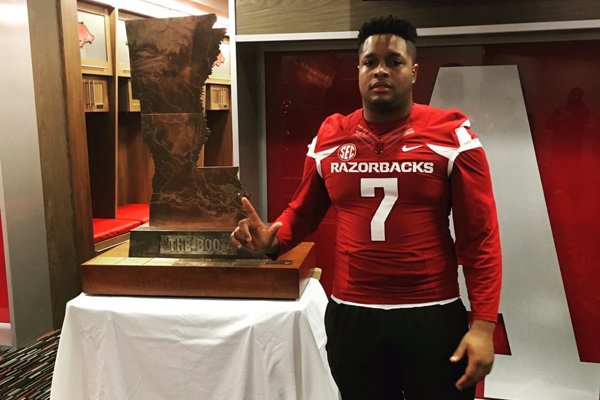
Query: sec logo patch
point(347, 152)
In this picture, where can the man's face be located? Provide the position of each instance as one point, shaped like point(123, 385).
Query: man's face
point(386, 72)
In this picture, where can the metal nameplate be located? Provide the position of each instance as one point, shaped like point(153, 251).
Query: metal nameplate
point(196, 245)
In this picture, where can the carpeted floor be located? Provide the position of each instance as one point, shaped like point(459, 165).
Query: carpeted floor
point(27, 373)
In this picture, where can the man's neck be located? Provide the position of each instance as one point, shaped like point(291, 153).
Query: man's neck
point(379, 115)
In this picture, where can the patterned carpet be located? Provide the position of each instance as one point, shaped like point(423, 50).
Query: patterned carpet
point(27, 373)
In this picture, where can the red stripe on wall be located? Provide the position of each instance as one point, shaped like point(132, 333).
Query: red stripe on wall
point(501, 345)
point(4, 313)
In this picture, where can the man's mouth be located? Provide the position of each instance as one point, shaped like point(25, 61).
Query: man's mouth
point(381, 87)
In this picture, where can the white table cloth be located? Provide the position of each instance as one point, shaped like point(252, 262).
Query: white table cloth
point(121, 348)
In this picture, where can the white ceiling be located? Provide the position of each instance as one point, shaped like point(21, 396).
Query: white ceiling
point(174, 8)
point(218, 7)
point(221, 7)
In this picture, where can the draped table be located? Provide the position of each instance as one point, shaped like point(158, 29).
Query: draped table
point(125, 347)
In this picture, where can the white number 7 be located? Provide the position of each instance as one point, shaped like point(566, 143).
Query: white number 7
point(390, 195)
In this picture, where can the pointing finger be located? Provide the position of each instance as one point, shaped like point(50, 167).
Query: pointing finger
point(251, 212)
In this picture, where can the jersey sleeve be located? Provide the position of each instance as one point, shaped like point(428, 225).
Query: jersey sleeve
point(311, 201)
point(306, 210)
point(477, 233)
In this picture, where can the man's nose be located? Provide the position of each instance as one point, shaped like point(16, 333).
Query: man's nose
point(381, 70)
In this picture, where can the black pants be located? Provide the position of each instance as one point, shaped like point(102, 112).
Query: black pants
point(396, 354)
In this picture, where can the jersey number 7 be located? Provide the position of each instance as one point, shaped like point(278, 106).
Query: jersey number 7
point(390, 195)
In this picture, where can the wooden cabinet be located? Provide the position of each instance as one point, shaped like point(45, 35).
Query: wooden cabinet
point(126, 101)
point(95, 94)
point(94, 39)
point(216, 97)
point(121, 166)
point(123, 65)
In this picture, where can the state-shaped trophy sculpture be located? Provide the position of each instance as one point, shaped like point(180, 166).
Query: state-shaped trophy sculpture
point(193, 209)
point(185, 249)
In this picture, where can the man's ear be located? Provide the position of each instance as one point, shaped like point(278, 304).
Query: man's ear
point(415, 71)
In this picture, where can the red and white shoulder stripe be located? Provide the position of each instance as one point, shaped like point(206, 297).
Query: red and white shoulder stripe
point(465, 140)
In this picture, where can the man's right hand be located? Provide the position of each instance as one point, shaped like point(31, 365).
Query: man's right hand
point(253, 234)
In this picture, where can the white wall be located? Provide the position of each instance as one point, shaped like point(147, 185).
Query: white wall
point(23, 208)
point(544, 363)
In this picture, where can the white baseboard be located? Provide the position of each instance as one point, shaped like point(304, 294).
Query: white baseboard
point(5, 334)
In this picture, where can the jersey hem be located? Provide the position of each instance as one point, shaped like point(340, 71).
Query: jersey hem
point(395, 306)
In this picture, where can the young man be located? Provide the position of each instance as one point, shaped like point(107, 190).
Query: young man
point(394, 170)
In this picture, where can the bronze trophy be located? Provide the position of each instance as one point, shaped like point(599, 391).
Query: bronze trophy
point(185, 249)
point(192, 210)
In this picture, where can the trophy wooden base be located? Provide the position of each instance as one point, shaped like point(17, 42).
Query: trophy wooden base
point(115, 273)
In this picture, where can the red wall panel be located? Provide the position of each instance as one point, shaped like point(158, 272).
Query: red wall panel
point(302, 90)
point(562, 95)
point(4, 310)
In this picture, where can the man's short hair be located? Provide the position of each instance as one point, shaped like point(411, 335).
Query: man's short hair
point(390, 25)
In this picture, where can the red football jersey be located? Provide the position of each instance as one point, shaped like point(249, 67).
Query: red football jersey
point(393, 187)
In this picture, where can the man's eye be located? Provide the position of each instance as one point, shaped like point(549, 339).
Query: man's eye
point(368, 63)
point(396, 62)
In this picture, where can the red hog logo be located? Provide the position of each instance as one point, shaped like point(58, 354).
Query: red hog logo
point(220, 60)
point(85, 36)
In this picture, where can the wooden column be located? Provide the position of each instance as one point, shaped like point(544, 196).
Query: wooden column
point(63, 146)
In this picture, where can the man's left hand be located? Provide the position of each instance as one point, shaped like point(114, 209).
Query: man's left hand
point(478, 346)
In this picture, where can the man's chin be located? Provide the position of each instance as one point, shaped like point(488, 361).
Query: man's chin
point(382, 104)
